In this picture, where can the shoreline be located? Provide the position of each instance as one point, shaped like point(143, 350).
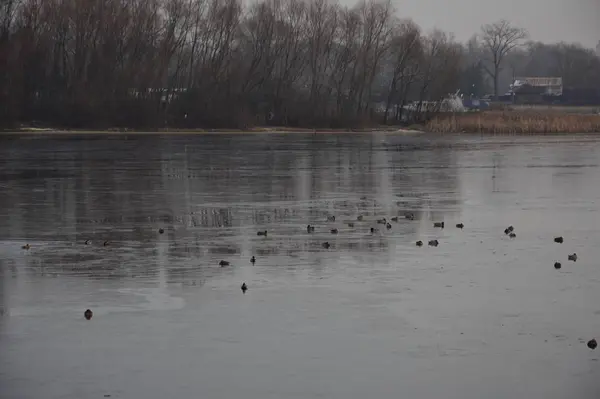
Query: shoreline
point(163, 131)
point(492, 122)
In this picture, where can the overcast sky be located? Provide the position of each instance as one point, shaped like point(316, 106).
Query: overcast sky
point(546, 20)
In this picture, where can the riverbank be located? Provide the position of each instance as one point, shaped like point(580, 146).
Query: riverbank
point(275, 129)
point(515, 122)
point(487, 122)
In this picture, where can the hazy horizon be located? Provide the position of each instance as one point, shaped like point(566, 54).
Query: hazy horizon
point(545, 20)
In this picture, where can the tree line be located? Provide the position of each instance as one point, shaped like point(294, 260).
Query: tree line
point(220, 63)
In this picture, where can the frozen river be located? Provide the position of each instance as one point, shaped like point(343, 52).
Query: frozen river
point(373, 316)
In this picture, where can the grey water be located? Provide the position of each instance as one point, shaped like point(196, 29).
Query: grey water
point(373, 316)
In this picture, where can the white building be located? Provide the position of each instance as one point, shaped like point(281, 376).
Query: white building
point(552, 85)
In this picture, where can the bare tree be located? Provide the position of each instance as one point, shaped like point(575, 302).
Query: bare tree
point(577, 66)
point(499, 39)
point(291, 62)
point(405, 48)
point(376, 18)
point(8, 9)
point(440, 62)
point(257, 37)
point(322, 23)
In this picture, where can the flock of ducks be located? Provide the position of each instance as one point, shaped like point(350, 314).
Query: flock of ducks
point(311, 229)
point(386, 223)
point(509, 231)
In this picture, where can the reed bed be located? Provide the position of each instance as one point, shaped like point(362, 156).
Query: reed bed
point(515, 122)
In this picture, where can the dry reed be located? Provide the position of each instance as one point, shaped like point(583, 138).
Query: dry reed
point(515, 122)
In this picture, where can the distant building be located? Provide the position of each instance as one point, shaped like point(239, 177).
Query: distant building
point(598, 49)
point(551, 86)
point(534, 90)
